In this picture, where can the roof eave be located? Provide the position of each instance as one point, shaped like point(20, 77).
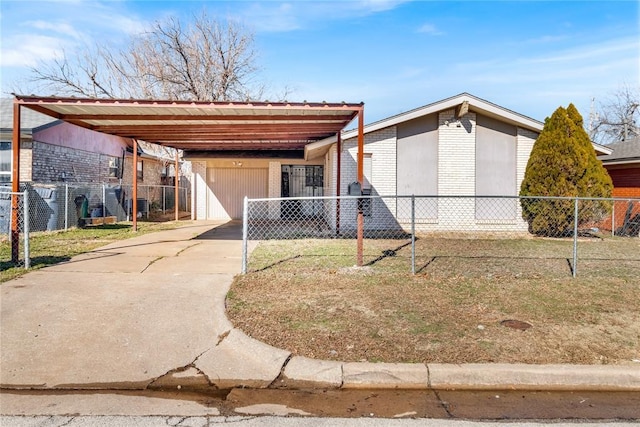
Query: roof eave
point(475, 104)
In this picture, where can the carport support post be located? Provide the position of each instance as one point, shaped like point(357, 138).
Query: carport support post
point(359, 257)
point(15, 184)
point(176, 182)
point(134, 191)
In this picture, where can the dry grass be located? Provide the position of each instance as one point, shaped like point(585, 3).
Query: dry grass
point(306, 297)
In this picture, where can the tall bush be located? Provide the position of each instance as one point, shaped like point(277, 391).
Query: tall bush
point(563, 163)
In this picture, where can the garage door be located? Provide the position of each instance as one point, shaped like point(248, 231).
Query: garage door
point(229, 186)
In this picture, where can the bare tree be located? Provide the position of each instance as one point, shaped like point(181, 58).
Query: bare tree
point(618, 118)
point(203, 60)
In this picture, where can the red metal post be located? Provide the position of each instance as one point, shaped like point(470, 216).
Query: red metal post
point(176, 182)
point(134, 191)
point(15, 183)
point(360, 225)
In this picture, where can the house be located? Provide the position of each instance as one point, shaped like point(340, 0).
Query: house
point(459, 146)
point(623, 165)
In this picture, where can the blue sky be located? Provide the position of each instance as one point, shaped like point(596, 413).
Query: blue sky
point(528, 56)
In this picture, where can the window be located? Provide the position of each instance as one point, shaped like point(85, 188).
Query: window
point(114, 167)
point(5, 161)
point(367, 170)
point(139, 170)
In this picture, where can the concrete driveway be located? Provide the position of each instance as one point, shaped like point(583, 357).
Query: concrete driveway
point(122, 316)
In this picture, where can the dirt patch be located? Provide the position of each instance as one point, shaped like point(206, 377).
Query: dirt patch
point(317, 305)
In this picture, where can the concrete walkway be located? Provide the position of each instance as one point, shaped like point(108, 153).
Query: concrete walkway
point(149, 312)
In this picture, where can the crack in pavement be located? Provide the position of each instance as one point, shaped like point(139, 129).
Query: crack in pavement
point(188, 247)
point(281, 375)
point(68, 422)
point(445, 405)
point(221, 338)
point(151, 263)
point(191, 365)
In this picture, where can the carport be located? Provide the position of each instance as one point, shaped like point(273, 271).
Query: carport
point(194, 126)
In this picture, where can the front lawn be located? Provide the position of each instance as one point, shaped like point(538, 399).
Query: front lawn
point(305, 296)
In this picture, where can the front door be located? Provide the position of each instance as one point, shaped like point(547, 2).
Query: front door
point(302, 181)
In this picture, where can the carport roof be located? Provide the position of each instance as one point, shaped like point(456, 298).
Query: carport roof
point(203, 126)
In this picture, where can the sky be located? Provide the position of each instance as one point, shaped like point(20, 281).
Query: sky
point(528, 56)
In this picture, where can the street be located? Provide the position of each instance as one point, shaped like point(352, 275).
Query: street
point(248, 407)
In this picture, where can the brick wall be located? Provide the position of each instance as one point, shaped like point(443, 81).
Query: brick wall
point(381, 145)
point(199, 190)
point(51, 163)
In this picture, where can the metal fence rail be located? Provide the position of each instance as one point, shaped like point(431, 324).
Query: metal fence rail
point(410, 218)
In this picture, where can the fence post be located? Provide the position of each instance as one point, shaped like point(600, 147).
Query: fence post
point(413, 234)
point(613, 218)
point(245, 226)
point(66, 207)
point(25, 221)
point(163, 198)
point(104, 202)
point(575, 238)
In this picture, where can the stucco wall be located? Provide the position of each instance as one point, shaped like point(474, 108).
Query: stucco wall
point(75, 137)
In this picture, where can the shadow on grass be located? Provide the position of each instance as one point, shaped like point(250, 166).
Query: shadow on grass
point(282, 261)
point(488, 257)
point(387, 253)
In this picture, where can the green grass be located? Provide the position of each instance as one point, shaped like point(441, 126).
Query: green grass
point(52, 247)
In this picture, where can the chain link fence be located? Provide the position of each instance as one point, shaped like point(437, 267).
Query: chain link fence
point(443, 226)
point(59, 206)
point(14, 223)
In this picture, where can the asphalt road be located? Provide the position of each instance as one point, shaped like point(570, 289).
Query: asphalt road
point(247, 407)
point(158, 421)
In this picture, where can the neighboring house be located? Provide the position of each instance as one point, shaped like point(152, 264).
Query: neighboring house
point(461, 145)
point(623, 165)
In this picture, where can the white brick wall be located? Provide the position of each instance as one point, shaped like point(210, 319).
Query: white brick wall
point(525, 141)
point(199, 190)
point(382, 147)
point(275, 191)
point(456, 168)
point(456, 154)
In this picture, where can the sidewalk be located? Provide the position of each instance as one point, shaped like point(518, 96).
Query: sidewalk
point(148, 312)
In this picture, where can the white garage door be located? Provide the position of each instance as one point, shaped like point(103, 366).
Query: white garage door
point(229, 186)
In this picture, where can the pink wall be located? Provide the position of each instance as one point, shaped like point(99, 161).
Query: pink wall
point(72, 136)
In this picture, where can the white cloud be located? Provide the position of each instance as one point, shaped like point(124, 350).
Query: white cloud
point(268, 16)
point(430, 29)
point(25, 50)
point(57, 26)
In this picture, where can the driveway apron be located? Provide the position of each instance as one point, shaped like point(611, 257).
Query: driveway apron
point(122, 315)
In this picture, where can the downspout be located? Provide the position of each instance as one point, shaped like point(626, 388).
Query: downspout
point(15, 183)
